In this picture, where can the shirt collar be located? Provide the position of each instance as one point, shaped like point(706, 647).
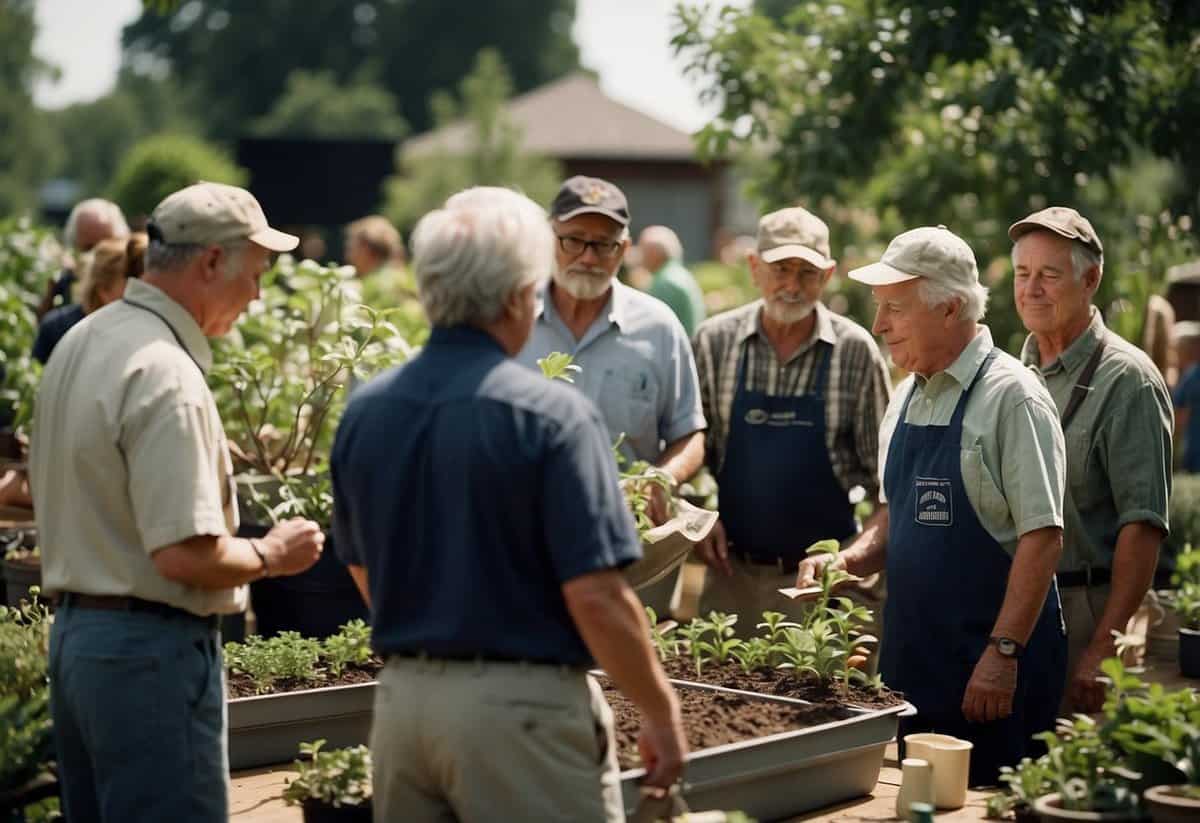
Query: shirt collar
point(1075, 354)
point(967, 364)
point(616, 309)
point(752, 324)
point(176, 316)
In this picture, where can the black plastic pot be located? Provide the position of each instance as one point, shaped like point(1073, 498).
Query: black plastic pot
point(315, 603)
point(315, 811)
point(19, 575)
point(1189, 652)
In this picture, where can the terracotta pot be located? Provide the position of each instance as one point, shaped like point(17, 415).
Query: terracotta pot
point(1168, 804)
point(1050, 811)
point(1189, 652)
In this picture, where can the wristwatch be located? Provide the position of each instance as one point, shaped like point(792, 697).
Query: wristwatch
point(1007, 646)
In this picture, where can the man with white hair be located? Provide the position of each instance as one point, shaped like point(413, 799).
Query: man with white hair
point(136, 512)
point(671, 282)
point(88, 223)
point(492, 561)
point(794, 394)
point(973, 471)
point(1117, 418)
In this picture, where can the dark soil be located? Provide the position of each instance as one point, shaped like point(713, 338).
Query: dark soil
point(714, 719)
point(770, 681)
point(240, 685)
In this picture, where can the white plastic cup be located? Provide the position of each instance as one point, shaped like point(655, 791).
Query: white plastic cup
point(950, 758)
point(916, 786)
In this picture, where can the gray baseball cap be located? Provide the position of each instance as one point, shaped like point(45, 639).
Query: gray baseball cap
point(933, 252)
point(213, 214)
point(794, 232)
point(1063, 221)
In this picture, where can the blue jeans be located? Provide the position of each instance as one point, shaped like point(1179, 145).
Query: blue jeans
point(139, 717)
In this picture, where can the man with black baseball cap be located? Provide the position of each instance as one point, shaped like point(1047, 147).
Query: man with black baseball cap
point(137, 509)
point(1117, 418)
point(636, 360)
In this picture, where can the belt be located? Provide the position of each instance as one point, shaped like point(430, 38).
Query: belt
point(120, 603)
point(784, 564)
point(1084, 577)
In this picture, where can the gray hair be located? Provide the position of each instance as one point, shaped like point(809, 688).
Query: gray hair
point(470, 255)
point(972, 298)
point(665, 239)
point(105, 211)
point(1083, 257)
point(171, 258)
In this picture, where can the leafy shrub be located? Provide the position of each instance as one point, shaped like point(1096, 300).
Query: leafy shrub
point(166, 163)
point(26, 745)
point(339, 777)
point(350, 646)
point(29, 257)
point(289, 656)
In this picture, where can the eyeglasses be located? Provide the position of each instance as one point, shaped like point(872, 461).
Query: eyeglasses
point(576, 246)
point(783, 269)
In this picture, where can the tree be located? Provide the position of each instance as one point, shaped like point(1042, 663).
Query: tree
point(316, 105)
point(165, 163)
point(969, 114)
point(406, 47)
point(27, 145)
point(493, 155)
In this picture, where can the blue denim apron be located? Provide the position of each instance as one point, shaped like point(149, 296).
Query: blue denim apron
point(947, 577)
point(778, 491)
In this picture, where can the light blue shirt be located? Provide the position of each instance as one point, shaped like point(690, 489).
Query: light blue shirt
point(637, 367)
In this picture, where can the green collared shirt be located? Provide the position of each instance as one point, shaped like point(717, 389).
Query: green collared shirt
point(1118, 444)
point(674, 285)
point(1012, 453)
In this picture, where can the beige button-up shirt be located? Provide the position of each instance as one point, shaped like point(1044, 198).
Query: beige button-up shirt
point(1013, 457)
point(128, 454)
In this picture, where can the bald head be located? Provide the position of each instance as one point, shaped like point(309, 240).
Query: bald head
point(92, 221)
point(658, 244)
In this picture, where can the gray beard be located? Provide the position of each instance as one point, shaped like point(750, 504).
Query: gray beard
point(582, 286)
point(788, 313)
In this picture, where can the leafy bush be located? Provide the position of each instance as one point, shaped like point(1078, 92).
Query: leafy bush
point(165, 163)
point(26, 745)
point(289, 656)
point(350, 646)
point(339, 777)
point(29, 257)
point(1185, 600)
point(1184, 516)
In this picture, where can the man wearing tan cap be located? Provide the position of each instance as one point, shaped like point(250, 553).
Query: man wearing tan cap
point(794, 394)
point(973, 474)
point(136, 507)
point(1116, 415)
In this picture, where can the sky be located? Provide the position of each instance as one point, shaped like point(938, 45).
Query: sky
point(625, 41)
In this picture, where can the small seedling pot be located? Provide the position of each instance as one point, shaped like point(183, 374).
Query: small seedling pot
point(1169, 804)
point(1050, 810)
point(1189, 652)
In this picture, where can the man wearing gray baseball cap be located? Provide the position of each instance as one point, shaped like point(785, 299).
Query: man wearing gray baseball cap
point(1117, 419)
point(973, 471)
point(136, 510)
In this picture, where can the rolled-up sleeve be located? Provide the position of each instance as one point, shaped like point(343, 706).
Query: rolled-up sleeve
point(681, 412)
point(1137, 439)
point(588, 527)
point(1033, 465)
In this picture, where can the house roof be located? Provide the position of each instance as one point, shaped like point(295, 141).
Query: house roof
point(572, 117)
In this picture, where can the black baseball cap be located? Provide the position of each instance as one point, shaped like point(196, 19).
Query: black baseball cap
point(590, 195)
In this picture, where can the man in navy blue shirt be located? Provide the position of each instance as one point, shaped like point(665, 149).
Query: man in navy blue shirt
point(478, 509)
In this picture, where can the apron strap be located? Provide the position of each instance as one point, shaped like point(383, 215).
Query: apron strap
point(1082, 388)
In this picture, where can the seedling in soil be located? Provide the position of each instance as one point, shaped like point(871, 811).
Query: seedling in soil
point(663, 636)
point(351, 645)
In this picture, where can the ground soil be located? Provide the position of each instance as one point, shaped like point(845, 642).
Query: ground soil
point(714, 719)
point(240, 685)
point(771, 681)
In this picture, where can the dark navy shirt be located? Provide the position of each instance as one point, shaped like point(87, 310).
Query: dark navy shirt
point(472, 489)
point(51, 329)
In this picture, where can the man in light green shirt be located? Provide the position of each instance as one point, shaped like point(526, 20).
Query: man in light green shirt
point(1116, 415)
point(672, 283)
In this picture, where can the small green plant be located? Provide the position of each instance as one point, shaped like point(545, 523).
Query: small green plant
point(267, 661)
point(1185, 600)
point(350, 646)
point(337, 777)
point(754, 654)
point(1085, 771)
point(663, 636)
point(559, 366)
point(693, 634)
point(1024, 784)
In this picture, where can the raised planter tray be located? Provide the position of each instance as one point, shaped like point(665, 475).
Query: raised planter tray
point(268, 729)
point(785, 774)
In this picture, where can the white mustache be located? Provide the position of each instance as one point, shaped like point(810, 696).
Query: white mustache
point(791, 298)
point(588, 270)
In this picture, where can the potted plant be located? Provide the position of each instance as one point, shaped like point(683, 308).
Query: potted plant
point(1185, 602)
point(1179, 803)
point(1089, 781)
point(22, 569)
point(332, 786)
point(280, 382)
point(26, 743)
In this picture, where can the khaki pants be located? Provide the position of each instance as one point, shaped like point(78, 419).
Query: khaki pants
point(754, 589)
point(1082, 608)
point(476, 741)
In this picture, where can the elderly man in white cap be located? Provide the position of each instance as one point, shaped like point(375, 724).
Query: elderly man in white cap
point(1116, 416)
point(794, 394)
point(974, 466)
point(136, 510)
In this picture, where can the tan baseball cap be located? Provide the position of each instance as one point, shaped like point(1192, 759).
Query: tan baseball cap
point(794, 232)
point(1061, 220)
point(933, 252)
point(215, 213)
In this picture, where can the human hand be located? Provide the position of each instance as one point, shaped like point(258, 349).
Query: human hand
point(990, 691)
point(293, 546)
point(660, 504)
point(809, 571)
point(714, 550)
point(662, 748)
point(1085, 692)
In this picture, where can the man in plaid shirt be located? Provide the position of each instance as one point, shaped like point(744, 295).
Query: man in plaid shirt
point(794, 394)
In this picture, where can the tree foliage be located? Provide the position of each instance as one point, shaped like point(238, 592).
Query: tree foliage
point(316, 105)
point(165, 163)
point(494, 155)
point(237, 56)
point(27, 145)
